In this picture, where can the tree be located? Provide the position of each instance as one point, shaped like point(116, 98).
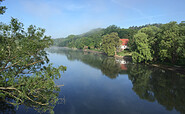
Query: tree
point(110, 67)
point(166, 44)
point(2, 8)
point(142, 52)
point(110, 29)
point(110, 43)
point(171, 42)
point(24, 75)
point(153, 40)
point(127, 33)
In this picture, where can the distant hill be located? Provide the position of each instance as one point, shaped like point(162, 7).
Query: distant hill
point(93, 38)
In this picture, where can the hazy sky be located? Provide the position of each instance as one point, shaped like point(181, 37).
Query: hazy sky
point(64, 17)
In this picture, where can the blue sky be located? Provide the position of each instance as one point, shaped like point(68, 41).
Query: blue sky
point(61, 18)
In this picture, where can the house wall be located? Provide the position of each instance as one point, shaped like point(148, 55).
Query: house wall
point(124, 47)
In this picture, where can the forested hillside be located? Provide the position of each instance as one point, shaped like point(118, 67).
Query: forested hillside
point(93, 38)
point(148, 43)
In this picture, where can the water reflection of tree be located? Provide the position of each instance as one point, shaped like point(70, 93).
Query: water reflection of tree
point(167, 88)
point(110, 67)
point(107, 65)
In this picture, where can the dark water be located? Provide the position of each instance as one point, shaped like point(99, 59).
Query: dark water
point(96, 84)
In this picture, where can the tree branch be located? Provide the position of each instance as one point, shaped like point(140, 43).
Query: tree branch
point(12, 88)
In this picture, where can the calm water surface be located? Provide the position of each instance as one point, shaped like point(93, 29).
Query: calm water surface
point(96, 84)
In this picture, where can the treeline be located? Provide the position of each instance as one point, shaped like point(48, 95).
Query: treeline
point(93, 38)
point(149, 43)
point(160, 44)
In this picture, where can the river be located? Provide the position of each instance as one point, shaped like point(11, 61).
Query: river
point(96, 84)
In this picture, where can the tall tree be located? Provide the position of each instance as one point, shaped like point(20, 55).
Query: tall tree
point(110, 43)
point(142, 52)
point(153, 40)
point(24, 76)
point(171, 42)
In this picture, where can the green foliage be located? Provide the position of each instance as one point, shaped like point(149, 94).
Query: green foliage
point(149, 43)
point(127, 33)
point(24, 77)
point(94, 38)
point(124, 53)
point(172, 40)
point(110, 43)
point(143, 26)
point(142, 52)
point(164, 44)
point(2, 8)
point(151, 32)
point(91, 39)
point(110, 29)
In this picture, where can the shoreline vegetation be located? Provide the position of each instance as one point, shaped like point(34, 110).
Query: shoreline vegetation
point(171, 67)
point(174, 68)
point(148, 44)
point(127, 56)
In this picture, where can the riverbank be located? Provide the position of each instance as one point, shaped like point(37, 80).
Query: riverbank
point(178, 69)
point(175, 68)
point(93, 51)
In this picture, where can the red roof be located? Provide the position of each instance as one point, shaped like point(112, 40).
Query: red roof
point(124, 41)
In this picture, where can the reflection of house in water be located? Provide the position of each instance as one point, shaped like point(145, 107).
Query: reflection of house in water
point(123, 67)
point(123, 63)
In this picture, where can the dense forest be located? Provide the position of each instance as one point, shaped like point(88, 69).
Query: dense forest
point(148, 43)
point(93, 38)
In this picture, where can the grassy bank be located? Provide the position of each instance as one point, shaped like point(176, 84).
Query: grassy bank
point(124, 53)
point(98, 50)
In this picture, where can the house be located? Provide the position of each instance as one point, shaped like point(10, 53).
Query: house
point(124, 44)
